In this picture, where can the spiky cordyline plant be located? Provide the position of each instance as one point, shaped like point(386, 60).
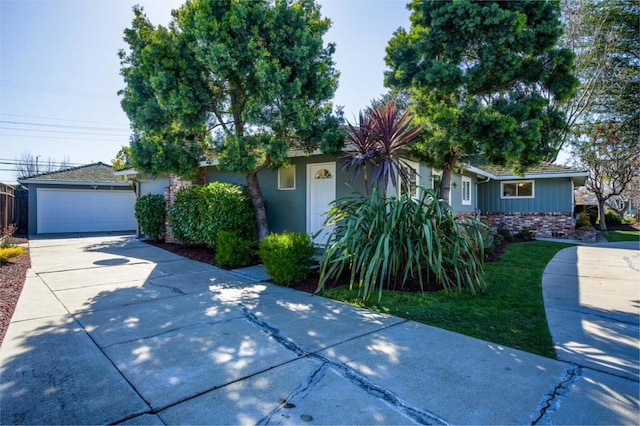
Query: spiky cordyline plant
point(380, 136)
point(380, 239)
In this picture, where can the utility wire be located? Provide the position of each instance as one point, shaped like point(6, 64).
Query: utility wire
point(61, 119)
point(66, 138)
point(61, 131)
point(31, 123)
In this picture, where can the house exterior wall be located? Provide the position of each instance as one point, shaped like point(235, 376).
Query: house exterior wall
point(152, 186)
point(550, 195)
point(287, 209)
point(455, 197)
point(549, 213)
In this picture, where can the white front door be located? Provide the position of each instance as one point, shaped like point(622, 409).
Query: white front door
point(321, 191)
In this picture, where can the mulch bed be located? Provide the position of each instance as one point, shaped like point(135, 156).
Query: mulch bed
point(12, 277)
point(310, 284)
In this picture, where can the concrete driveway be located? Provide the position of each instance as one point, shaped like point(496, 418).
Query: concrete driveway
point(592, 302)
point(111, 330)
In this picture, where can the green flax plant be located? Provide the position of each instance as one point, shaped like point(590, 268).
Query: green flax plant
point(385, 240)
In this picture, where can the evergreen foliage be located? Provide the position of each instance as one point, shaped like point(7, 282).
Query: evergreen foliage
point(248, 79)
point(287, 257)
point(199, 213)
point(150, 214)
point(482, 77)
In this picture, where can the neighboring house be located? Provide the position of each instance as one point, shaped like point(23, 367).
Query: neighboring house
point(88, 198)
point(297, 197)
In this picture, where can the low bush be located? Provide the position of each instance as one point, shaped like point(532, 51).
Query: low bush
point(505, 233)
point(198, 213)
point(287, 257)
point(7, 253)
point(233, 251)
point(583, 220)
point(612, 218)
point(150, 214)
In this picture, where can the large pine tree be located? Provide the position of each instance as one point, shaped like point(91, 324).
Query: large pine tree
point(251, 79)
point(484, 79)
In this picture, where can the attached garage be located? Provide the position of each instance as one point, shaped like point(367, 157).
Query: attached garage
point(84, 210)
point(83, 199)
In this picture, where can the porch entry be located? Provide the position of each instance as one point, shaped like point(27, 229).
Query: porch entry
point(321, 191)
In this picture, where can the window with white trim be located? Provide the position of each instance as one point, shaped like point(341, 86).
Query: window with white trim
point(411, 169)
point(517, 189)
point(436, 177)
point(287, 178)
point(466, 191)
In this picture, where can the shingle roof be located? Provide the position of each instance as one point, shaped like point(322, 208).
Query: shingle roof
point(542, 168)
point(96, 172)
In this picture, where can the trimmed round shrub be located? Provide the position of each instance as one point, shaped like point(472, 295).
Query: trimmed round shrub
point(287, 257)
point(184, 216)
point(150, 214)
point(233, 251)
point(198, 213)
point(612, 218)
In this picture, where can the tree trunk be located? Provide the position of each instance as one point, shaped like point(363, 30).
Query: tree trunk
point(257, 200)
point(603, 222)
point(445, 182)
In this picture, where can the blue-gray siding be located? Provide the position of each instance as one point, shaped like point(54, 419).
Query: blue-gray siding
point(287, 209)
point(550, 196)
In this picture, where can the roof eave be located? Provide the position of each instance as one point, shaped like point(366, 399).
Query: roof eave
point(27, 182)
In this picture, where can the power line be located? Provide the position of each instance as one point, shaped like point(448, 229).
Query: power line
point(61, 131)
point(31, 123)
point(67, 138)
point(60, 119)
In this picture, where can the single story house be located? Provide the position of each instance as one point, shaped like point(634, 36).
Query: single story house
point(542, 199)
point(298, 196)
point(87, 198)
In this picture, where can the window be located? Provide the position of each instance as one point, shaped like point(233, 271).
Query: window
point(411, 169)
point(436, 177)
point(323, 174)
point(517, 189)
point(466, 191)
point(287, 178)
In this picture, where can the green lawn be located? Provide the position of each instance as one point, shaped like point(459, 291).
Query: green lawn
point(616, 236)
point(510, 312)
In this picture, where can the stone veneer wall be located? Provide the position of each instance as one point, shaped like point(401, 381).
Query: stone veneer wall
point(550, 225)
point(175, 184)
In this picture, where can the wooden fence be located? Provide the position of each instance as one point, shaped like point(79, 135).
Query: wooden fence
point(7, 207)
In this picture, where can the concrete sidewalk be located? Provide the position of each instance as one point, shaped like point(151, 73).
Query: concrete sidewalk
point(111, 330)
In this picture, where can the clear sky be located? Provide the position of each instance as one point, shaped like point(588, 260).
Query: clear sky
point(59, 71)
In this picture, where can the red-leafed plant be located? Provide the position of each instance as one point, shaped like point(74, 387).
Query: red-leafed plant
point(382, 133)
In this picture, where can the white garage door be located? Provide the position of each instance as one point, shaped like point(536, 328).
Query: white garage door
point(77, 210)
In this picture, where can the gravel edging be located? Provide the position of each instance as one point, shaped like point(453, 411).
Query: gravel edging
point(12, 278)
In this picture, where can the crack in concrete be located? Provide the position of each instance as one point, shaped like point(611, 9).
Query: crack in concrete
point(550, 400)
point(171, 288)
point(632, 263)
point(299, 393)
point(418, 415)
point(171, 330)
